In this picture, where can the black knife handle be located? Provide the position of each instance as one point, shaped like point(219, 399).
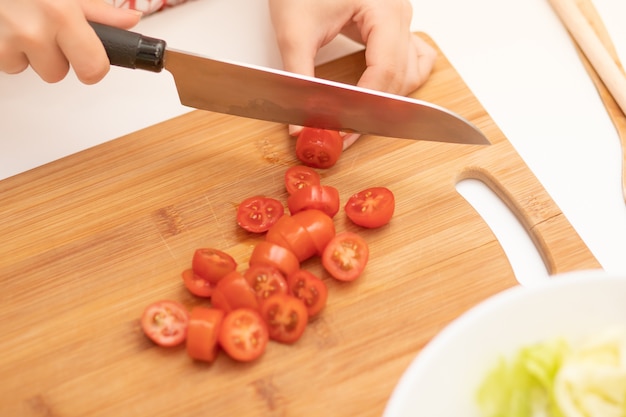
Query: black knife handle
point(131, 50)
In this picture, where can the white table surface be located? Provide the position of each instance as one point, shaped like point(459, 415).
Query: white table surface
point(514, 55)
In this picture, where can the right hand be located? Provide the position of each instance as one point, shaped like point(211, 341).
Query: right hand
point(52, 35)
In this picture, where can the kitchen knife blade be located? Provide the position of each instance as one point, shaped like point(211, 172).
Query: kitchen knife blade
point(283, 97)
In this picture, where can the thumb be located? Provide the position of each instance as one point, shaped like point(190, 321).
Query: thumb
point(100, 12)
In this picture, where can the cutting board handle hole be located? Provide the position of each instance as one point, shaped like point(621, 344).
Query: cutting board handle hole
point(507, 228)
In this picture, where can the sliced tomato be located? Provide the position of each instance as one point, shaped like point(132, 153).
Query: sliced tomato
point(319, 225)
point(268, 253)
point(292, 235)
point(319, 148)
point(286, 317)
point(258, 213)
point(265, 280)
point(300, 176)
point(203, 333)
point(319, 197)
point(372, 207)
point(232, 292)
point(345, 256)
point(244, 334)
point(165, 323)
point(212, 264)
point(309, 288)
point(196, 284)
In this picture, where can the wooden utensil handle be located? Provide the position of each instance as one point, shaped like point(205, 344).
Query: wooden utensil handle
point(131, 50)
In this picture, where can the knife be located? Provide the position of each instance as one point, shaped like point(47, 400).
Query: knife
point(283, 97)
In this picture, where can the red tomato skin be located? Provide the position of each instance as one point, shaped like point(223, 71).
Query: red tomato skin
point(212, 264)
point(265, 280)
point(371, 208)
point(203, 333)
point(319, 197)
point(244, 335)
point(286, 317)
point(309, 288)
point(319, 225)
point(300, 176)
point(293, 236)
point(258, 213)
point(233, 292)
point(269, 253)
point(346, 256)
point(319, 148)
point(197, 285)
point(165, 322)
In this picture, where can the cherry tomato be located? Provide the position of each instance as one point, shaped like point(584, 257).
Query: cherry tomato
point(197, 285)
point(310, 289)
point(265, 280)
point(300, 176)
point(345, 256)
point(318, 197)
point(244, 334)
point(292, 235)
point(203, 333)
point(286, 317)
point(319, 148)
point(319, 225)
point(212, 264)
point(165, 323)
point(232, 292)
point(372, 207)
point(269, 253)
point(257, 214)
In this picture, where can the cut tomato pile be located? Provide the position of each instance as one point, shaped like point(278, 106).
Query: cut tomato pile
point(272, 297)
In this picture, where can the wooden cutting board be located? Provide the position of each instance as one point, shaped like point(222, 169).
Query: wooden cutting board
point(88, 241)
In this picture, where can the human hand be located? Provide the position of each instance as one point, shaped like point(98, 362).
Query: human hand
point(51, 35)
point(397, 61)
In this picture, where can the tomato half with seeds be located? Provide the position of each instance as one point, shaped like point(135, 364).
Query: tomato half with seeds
point(165, 322)
point(212, 264)
point(309, 288)
point(203, 333)
point(372, 207)
point(292, 235)
point(197, 285)
point(286, 317)
point(300, 176)
point(244, 335)
point(258, 213)
point(319, 148)
point(268, 253)
point(265, 280)
point(232, 292)
point(318, 197)
point(345, 256)
point(319, 225)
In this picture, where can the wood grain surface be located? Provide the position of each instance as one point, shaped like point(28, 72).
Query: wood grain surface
point(89, 240)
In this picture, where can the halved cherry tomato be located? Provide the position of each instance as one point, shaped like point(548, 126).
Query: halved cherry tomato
point(345, 256)
point(269, 253)
point(286, 317)
point(318, 197)
point(319, 225)
point(244, 334)
point(309, 288)
point(196, 284)
point(232, 292)
point(258, 213)
point(212, 264)
point(319, 148)
point(265, 280)
point(203, 333)
point(292, 235)
point(300, 176)
point(165, 323)
point(372, 207)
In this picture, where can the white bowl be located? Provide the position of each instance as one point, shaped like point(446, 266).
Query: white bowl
point(442, 380)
